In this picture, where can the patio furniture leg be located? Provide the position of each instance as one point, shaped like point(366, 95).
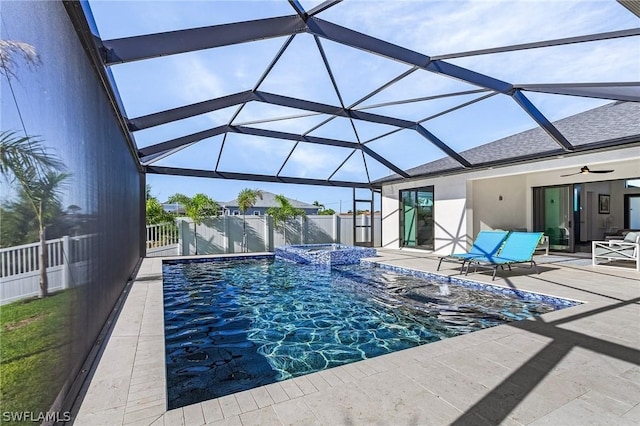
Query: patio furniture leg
point(462, 267)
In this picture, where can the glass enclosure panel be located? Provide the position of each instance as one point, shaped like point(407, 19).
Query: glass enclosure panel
point(54, 307)
point(416, 218)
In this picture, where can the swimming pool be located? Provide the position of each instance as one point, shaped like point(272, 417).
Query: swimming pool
point(232, 325)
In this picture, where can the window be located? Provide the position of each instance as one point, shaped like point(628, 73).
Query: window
point(236, 212)
point(256, 213)
point(632, 183)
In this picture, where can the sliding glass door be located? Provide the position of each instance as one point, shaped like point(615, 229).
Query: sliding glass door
point(416, 218)
point(554, 215)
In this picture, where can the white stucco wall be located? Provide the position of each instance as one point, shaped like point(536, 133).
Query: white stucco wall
point(450, 213)
point(498, 203)
point(468, 203)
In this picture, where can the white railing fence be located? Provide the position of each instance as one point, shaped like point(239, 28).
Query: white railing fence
point(67, 260)
point(162, 240)
point(162, 234)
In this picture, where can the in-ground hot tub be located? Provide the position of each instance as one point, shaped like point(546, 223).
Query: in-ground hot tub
point(324, 254)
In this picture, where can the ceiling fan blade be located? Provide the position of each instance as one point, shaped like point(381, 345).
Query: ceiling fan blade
point(571, 174)
point(600, 171)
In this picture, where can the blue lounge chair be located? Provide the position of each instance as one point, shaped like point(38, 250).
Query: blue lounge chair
point(517, 248)
point(487, 243)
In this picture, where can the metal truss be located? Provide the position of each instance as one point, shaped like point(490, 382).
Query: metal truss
point(110, 52)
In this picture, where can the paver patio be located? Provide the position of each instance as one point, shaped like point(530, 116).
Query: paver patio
point(572, 367)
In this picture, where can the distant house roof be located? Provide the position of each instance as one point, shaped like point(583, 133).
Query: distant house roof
point(269, 200)
point(614, 121)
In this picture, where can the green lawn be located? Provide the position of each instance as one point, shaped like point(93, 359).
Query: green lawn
point(34, 348)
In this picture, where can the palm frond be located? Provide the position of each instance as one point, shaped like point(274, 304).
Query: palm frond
point(284, 211)
point(247, 198)
point(11, 51)
point(197, 207)
point(43, 192)
point(24, 155)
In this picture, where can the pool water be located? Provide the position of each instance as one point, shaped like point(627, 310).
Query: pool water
point(235, 325)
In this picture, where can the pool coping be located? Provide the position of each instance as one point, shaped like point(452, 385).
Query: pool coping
point(125, 388)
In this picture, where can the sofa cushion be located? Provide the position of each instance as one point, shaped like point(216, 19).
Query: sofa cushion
point(631, 237)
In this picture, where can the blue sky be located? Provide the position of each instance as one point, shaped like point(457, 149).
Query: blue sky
point(429, 27)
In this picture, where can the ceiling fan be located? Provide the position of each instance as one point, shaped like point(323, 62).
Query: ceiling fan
point(585, 171)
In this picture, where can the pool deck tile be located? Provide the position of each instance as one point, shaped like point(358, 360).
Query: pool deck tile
point(449, 384)
point(276, 392)
point(318, 382)
point(150, 413)
point(633, 414)
point(263, 416)
point(231, 421)
point(230, 406)
point(580, 365)
point(262, 397)
point(212, 411)
point(305, 385)
point(246, 401)
point(291, 389)
point(579, 411)
point(193, 414)
point(330, 377)
point(174, 417)
point(295, 412)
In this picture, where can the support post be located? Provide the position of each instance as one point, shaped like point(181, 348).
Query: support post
point(225, 227)
point(65, 262)
point(267, 234)
point(182, 239)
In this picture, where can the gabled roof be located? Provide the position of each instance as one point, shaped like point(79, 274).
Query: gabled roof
point(615, 121)
point(269, 200)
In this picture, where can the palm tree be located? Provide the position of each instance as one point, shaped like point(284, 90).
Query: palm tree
point(19, 223)
point(25, 160)
point(42, 193)
point(197, 208)
point(284, 212)
point(154, 211)
point(246, 199)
